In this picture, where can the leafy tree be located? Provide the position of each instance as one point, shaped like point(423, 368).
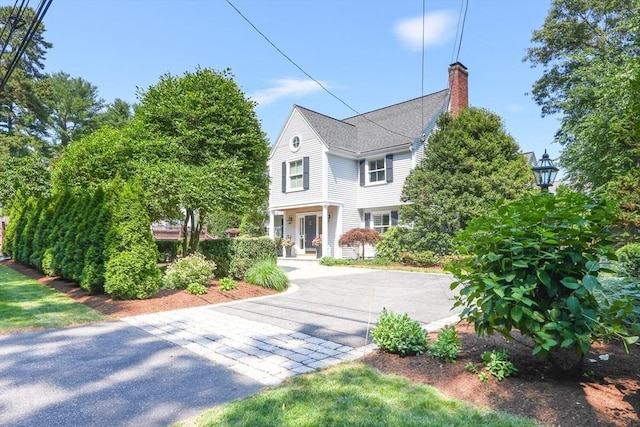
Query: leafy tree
point(73, 105)
point(117, 114)
point(28, 174)
point(591, 78)
point(359, 237)
point(218, 141)
point(21, 109)
point(532, 265)
point(470, 162)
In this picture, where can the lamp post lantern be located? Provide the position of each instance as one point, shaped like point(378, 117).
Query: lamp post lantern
point(545, 172)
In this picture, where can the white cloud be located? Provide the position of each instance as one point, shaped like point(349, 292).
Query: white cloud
point(285, 88)
point(439, 27)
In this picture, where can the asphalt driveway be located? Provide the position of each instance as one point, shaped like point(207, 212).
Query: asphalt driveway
point(127, 373)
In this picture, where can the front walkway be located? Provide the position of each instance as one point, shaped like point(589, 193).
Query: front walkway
point(254, 345)
point(266, 353)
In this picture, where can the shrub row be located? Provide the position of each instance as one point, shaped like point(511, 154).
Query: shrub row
point(233, 257)
point(101, 240)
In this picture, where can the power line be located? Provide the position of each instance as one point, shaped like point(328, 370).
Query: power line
point(310, 76)
point(462, 17)
point(16, 21)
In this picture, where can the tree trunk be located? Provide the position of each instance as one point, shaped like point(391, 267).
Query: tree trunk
point(194, 237)
point(568, 359)
point(185, 234)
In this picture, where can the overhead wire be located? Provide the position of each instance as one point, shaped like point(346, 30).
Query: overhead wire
point(40, 12)
point(323, 87)
point(462, 18)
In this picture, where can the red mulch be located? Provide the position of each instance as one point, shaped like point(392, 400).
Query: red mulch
point(166, 299)
point(606, 393)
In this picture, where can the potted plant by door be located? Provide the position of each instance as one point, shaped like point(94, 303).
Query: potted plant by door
point(287, 244)
point(317, 242)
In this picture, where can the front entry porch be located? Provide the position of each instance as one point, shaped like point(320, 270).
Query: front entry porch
point(305, 229)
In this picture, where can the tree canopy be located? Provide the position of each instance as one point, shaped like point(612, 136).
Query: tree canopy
point(470, 162)
point(591, 78)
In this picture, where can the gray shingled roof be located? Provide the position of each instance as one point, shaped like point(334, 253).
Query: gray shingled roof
point(389, 127)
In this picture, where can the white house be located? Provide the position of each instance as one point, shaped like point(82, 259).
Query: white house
point(329, 176)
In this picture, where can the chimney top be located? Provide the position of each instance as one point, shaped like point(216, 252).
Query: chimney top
point(458, 88)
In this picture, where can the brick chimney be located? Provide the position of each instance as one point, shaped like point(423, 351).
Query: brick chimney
point(458, 88)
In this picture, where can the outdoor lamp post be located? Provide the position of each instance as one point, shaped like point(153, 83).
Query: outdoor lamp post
point(545, 172)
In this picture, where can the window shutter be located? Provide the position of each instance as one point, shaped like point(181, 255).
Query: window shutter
point(367, 220)
point(394, 218)
point(362, 176)
point(305, 173)
point(389, 167)
point(284, 177)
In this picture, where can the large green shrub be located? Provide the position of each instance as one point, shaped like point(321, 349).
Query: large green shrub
point(168, 250)
point(268, 275)
point(392, 243)
point(130, 269)
point(629, 261)
point(533, 268)
point(246, 252)
point(218, 251)
point(399, 334)
point(190, 269)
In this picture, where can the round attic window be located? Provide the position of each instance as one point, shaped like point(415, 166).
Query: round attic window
point(295, 143)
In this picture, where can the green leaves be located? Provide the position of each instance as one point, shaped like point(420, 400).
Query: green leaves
point(470, 163)
point(533, 266)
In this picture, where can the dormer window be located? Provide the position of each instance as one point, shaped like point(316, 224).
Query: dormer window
point(294, 144)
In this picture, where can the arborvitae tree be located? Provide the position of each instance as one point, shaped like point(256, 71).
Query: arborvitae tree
point(92, 276)
point(43, 230)
point(49, 265)
point(25, 244)
point(130, 268)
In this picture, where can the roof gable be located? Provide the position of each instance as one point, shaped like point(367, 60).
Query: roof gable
point(392, 127)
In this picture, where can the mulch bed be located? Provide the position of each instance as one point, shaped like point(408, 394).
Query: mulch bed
point(166, 299)
point(605, 393)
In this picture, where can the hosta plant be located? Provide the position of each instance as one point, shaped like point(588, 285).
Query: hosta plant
point(399, 334)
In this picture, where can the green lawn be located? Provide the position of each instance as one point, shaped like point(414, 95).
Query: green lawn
point(353, 395)
point(25, 304)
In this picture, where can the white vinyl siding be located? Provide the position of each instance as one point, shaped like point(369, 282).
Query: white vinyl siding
point(311, 147)
point(371, 197)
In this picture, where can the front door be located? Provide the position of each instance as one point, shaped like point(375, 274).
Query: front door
point(310, 231)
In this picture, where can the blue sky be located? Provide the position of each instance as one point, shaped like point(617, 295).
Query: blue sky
point(367, 52)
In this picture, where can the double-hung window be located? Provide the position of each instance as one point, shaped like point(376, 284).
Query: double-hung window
point(377, 170)
point(295, 175)
point(381, 222)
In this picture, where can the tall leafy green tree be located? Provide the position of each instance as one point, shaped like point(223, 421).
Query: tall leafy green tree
point(591, 77)
point(73, 105)
point(21, 109)
point(117, 114)
point(470, 162)
point(220, 159)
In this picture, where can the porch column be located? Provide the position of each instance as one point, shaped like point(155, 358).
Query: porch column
point(326, 249)
point(272, 231)
point(338, 251)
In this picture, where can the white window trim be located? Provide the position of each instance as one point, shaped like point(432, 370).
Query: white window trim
point(380, 213)
point(368, 171)
point(291, 145)
point(289, 188)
